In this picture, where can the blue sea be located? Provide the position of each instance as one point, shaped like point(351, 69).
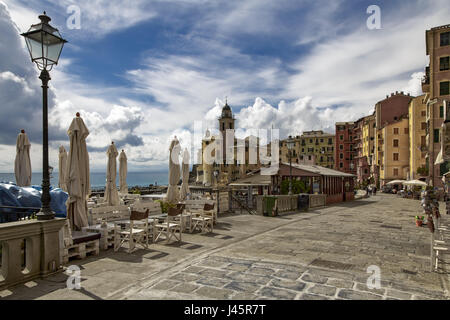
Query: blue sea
point(98, 179)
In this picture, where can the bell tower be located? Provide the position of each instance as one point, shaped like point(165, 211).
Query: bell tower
point(226, 122)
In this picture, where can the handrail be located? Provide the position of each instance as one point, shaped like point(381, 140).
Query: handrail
point(242, 205)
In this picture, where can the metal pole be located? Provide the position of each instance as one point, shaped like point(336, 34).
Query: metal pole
point(290, 172)
point(46, 212)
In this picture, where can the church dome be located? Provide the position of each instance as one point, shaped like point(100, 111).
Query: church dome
point(226, 111)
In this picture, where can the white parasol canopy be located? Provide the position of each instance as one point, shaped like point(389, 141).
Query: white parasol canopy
point(415, 183)
point(174, 171)
point(62, 168)
point(111, 193)
point(123, 168)
point(396, 182)
point(185, 169)
point(77, 174)
point(22, 163)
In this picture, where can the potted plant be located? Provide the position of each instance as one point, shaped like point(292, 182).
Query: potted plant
point(419, 220)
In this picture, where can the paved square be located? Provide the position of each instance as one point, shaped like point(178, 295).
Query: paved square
point(320, 254)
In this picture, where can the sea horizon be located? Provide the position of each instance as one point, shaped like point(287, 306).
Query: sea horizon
point(98, 179)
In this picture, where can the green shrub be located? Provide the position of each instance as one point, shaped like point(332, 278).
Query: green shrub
point(298, 186)
point(166, 205)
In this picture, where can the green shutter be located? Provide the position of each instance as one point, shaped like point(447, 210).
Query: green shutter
point(441, 111)
point(436, 135)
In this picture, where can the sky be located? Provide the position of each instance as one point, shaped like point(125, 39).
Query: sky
point(142, 73)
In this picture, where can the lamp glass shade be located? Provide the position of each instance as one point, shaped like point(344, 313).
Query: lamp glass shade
point(44, 44)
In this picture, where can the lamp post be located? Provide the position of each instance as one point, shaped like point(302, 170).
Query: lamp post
point(44, 43)
point(290, 144)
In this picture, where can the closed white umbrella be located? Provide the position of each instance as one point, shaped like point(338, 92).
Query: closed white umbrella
point(62, 168)
point(111, 193)
point(22, 163)
point(77, 174)
point(185, 169)
point(174, 171)
point(123, 167)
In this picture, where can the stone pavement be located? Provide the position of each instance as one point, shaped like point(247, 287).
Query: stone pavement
point(319, 254)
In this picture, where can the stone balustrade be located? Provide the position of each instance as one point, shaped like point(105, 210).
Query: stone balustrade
point(30, 250)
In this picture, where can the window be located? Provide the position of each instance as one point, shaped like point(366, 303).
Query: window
point(303, 150)
point(395, 130)
point(406, 130)
point(310, 141)
point(444, 63)
point(444, 88)
point(330, 141)
point(436, 135)
point(424, 113)
point(395, 172)
point(445, 39)
point(341, 165)
point(424, 126)
point(321, 140)
point(395, 156)
point(441, 111)
point(423, 141)
point(341, 147)
point(309, 157)
point(351, 147)
point(395, 143)
point(341, 156)
point(341, 137)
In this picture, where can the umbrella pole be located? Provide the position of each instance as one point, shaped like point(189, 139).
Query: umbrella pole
point(46, 212)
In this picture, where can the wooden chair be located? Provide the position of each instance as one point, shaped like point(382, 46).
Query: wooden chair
point(171, 227)
point(136, 232)
point(204, 220)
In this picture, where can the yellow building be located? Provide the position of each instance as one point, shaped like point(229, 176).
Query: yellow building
point(417, 137)
point(368, 137)
point(315, 147)
point(394, 151)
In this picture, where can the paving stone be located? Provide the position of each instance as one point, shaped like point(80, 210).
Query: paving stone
point(260, 271)
point(214, 273)
point(308, 296)
point(239, 276)
point(277, 293)
point(288, 274)
point(213, 281)
point(243, 286)
point(314, 278)
point(193, 269)
point(323, 290)
point(363, 287)
point(214, 293)
point(185, 277)
point(339, 283)
point(289, 284)
point(245, 296)
point(165, 285)
point(185, 288)
point(356, 295)
point(238, 267)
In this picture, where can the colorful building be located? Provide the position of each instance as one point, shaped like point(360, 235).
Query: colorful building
point(365, 133)
point(388, 112)
point(345, 147)
point(417, 138)
point(312, 147)
point(436, 86)
point(394, 154)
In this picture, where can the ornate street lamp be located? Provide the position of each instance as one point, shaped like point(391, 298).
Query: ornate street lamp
point(290, 144)
point(44, 43)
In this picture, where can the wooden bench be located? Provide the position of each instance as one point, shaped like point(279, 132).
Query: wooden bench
point(78, 244)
